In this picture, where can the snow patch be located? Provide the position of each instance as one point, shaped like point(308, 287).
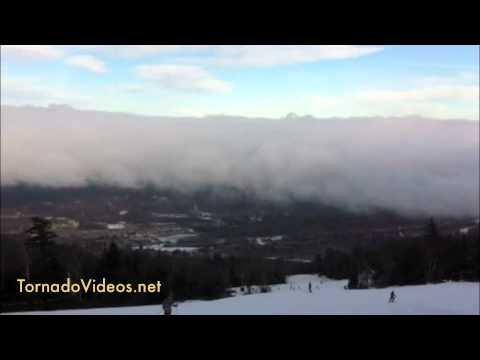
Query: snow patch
point(328, 297)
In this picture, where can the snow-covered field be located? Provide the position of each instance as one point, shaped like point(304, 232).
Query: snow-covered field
point(328, 298)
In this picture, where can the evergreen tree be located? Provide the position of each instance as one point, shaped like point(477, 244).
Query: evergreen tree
point(40, 248)
point(410, 269)
point(431, 232)
point(433, 243)
point(110, 263)
point(40, 233)
point(353, 281)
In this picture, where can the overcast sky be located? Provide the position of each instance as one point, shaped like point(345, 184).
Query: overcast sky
point(268, 81)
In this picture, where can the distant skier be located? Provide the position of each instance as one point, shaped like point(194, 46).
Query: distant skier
point(167, 305)
point(392, 297)
point(310, 287)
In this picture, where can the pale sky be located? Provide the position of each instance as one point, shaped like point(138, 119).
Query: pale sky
point(254, 81)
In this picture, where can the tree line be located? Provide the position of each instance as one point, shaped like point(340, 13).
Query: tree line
point(412, 261)
point(433, 258)
point(185, 277)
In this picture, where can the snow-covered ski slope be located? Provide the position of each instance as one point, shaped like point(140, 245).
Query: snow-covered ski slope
point(328, 297)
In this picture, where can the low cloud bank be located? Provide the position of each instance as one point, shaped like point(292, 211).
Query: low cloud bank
point(410, 165)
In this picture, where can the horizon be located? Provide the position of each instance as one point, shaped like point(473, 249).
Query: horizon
point(289, 116)
point(253, 81)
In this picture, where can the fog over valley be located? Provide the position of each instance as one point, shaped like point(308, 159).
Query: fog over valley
point(411, 165)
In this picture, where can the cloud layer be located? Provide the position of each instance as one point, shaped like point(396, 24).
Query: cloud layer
point(243, 55)
point(182, 78)
point(274, 55)
point(32, 52)
point(411, 165)
point(87, 62)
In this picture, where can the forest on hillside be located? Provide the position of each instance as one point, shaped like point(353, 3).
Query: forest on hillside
point(39, 258)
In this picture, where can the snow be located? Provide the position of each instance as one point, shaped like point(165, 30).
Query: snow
point(296, 260)
point(162, 247)
point(304, 261)
point(189, 249)
point(261, 241)
point(172, 239)
point(119, 226)
point(175, 238)
point(205, 216)
point(328, 298)
point(170, 216)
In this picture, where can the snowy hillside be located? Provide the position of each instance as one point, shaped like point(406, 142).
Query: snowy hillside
point(328, 297)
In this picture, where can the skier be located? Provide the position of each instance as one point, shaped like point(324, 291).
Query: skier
point(392, 297)
point(310, 287)
point(167, 305)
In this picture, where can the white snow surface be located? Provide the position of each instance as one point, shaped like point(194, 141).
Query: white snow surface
point(328, 297)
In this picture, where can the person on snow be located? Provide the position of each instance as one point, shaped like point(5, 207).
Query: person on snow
point(167, 305)
point(310, 287)
point(392, 297)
